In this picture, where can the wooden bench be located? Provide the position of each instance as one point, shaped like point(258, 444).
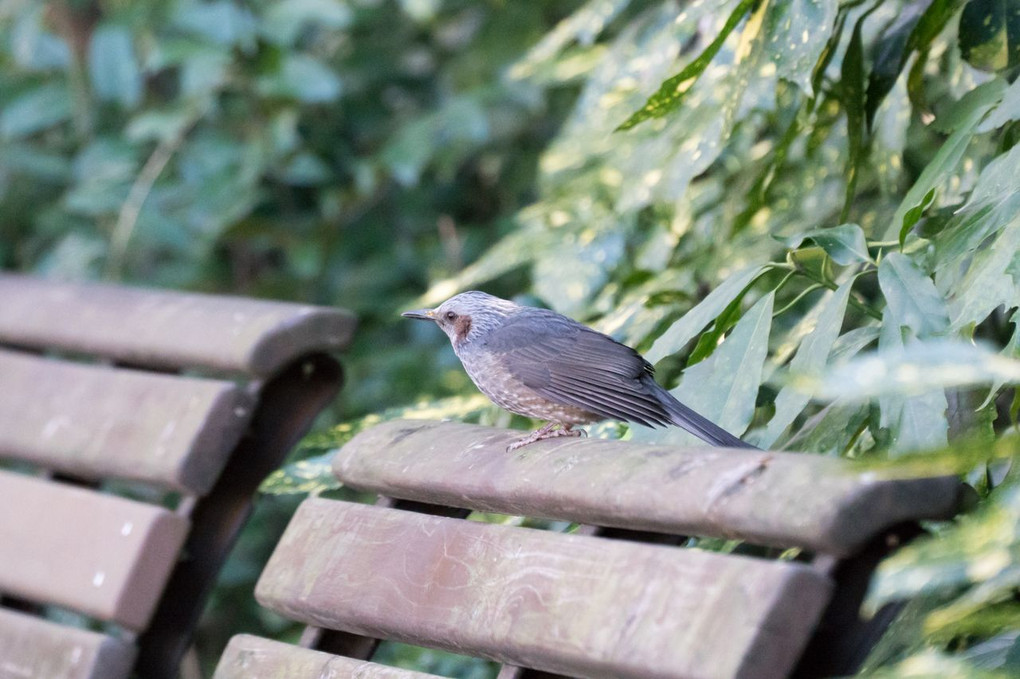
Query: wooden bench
point(621, 596)
point(135, 426)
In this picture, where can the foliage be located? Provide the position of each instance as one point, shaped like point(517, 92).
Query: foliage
point(808, 221)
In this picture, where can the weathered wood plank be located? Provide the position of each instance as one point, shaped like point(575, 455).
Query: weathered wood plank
point(31, 648)
point(581, 606)
point(166, 329)
point(771, 498)
point(248, 657)
point(104, 556)
point(99, 422)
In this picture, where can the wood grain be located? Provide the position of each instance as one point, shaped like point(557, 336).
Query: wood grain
point(249, 657)
point(770, 498)
point(32, 648)
point(105, 556)
point(166, 329)
point(98, 422)
point(581, 606)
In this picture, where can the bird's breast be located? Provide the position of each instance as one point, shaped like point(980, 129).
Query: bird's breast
point(487, 370)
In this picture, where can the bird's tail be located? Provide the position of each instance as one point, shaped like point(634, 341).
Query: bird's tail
point(700, 426)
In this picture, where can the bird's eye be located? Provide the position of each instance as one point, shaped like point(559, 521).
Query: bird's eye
point(450, 316)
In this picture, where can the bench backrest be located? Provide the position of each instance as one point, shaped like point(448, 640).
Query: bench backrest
point(135, 426)
point(613, 599)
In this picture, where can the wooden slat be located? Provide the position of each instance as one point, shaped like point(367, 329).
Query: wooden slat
point(100, 422)
point(166, 329)
point(248, 657)
point(581, 606)
point(771, 498)
point(104, 556)
point(31, 648)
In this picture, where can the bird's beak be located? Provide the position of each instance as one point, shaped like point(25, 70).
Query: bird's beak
point(421, 314)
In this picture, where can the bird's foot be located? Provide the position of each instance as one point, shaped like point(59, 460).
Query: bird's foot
point(546, 432)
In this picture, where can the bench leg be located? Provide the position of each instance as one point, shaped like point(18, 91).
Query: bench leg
point(287, 405)
point(842, 640)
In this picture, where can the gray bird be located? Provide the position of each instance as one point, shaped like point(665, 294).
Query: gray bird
point(543, 365)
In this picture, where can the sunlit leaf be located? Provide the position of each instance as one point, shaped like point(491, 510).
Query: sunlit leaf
point(314, 475)
point(568, 277)
point(520, 247)
point(797, 33)
point(930, 663)
point(990, 34)
point(981, 547)
point(915, 369)
point(671, 94)
point(310, 476)
point(583, 26)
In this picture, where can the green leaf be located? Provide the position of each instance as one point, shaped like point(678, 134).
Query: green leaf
point(568, 280)
point(916, 418)
point(915, 369)
point(285, 20)
point(976, 253)
point(583, 26)
point(796, 33)
point(889, 54)
point(913, 215)
point(724, 387)
point(113, 67)
point(980, 547)
point(310, 476)
point(845, 243)
point(963, 118)
point(810, 359)
point(671, 93)
point(303, 78)
point(35, 110)
point(912, 298)
point(990, 34)
point(462, 120)
point(932, 23)
point(695, 320)
point(315, 475)
point(851, 93)
point(734, 372)
point(928, 664)
point(221, 22)
point(1007, 111)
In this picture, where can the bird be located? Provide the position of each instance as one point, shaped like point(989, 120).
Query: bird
point(546, 366)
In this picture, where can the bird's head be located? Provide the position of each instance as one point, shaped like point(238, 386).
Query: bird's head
point(467, 316)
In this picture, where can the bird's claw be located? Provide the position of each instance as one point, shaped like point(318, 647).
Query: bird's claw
point(546, 432)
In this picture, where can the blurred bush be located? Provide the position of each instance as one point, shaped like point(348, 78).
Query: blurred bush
point(807, 206)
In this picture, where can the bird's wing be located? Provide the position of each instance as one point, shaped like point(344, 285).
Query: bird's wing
point(571, 364)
